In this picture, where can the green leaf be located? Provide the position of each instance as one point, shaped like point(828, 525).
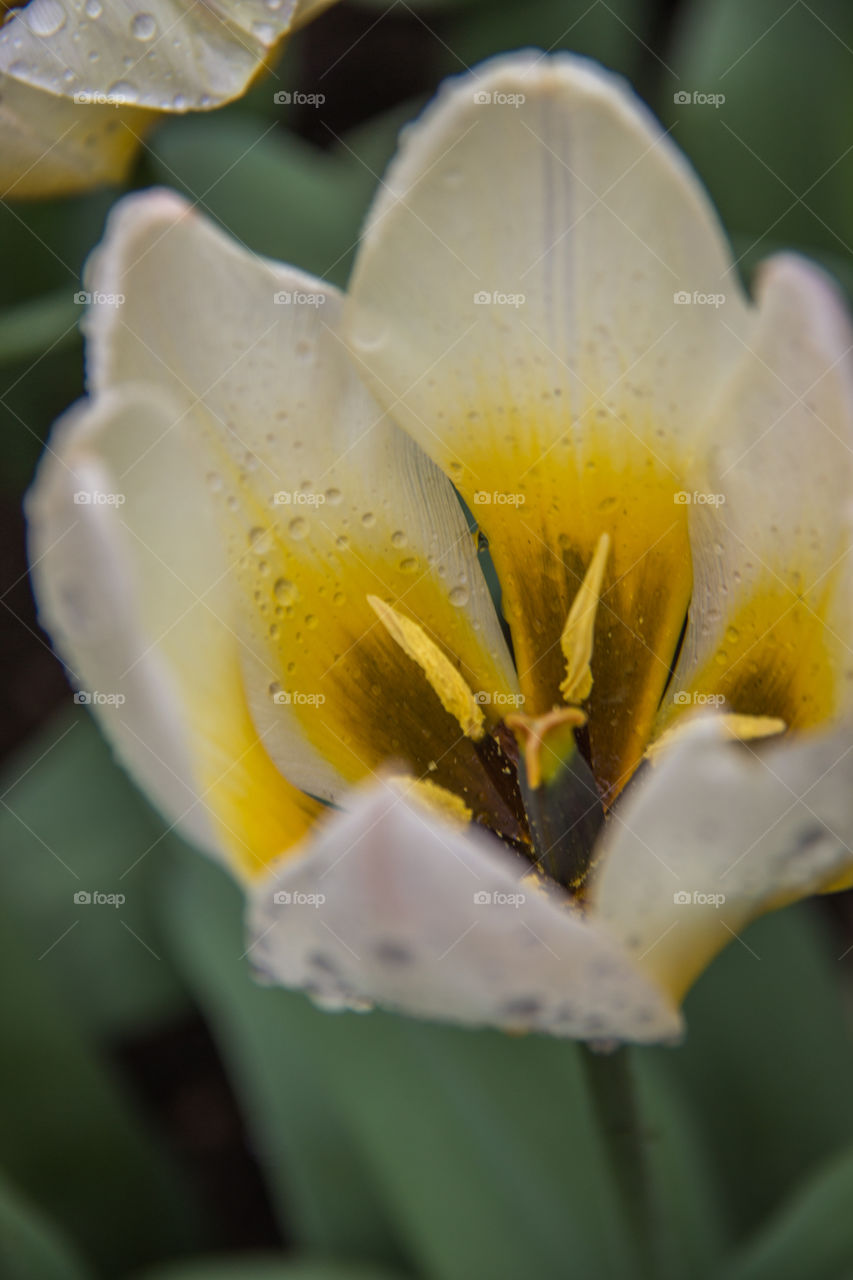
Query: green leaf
point(768, 1062)
point(255, 1267)
point(278, 195)
point(38, 325)
point(68, 1137)
point(481, 1148)
point(810, 1235)
point(31, 1248)
point(615, 33)
point(776, 154)
point(96, 834)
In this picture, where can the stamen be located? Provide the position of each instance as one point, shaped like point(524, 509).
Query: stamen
point(577, 637)
point(452, 688)
point(742, 728)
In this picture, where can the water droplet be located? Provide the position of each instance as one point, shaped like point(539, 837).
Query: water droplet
point(259, 540)
point(338, 598)
point(607, 504)
point(274, 688)
point(721, 658)
point(265, 32)
point(274, 629)
point(459, 596)
point(732, 635)
point(342, 541)
point(298, 528)
point(409, 565)
point(399, 539)
point(144, 27)
point(333, 496)
point(44, 17)
point(311, 621)
point(123, 91)
point(285, 591)
point(93, 9)
point(368, 519)
point(214, 481)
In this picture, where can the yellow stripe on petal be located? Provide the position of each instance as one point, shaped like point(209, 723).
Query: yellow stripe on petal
point(453, 691)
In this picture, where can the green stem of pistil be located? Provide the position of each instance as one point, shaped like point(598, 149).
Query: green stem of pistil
point(613, 1091)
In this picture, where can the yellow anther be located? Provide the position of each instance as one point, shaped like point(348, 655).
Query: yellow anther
point(437, 799)
point(740, 727)
point(576, 640)
point(451, 687)
point(545, 741)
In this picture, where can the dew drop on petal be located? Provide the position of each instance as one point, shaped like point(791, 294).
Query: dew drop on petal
point(44, 17)
point(144, 27)
point(93, 9)
point(298, 528)
point(399, 539)
point(368, 519)
point(459, 596)
point(285, 591)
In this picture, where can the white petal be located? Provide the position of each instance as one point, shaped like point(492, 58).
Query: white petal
point(580, 385)
point(277, 412)
point(156, 53)
point(53, 146)
point(131, 581)
point(389, 905)
point(717, 834)
point(771, 620)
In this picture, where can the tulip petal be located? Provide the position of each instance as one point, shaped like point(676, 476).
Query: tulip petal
point(515, 304)
point(717, 834)
point(772, 610)
point(131, 580)
point(323, 501)
point(164, 54)
point(53, 146)
point(390, 905)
